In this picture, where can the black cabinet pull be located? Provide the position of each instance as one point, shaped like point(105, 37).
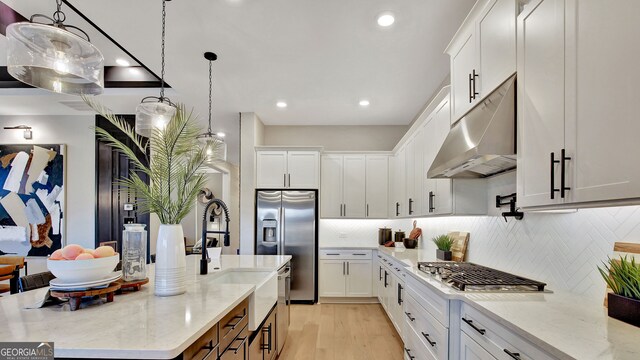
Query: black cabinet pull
point(409, 316)
point(345, 209)
point(347, 268)
point(470, 323)
point(333, 254)
point(431, 196)
point(563, 169)
point(475, 93)
point(426, 336)
point(367, 210)
point(239, 317)
point(289, 178)
point(358, 254)
point(385, 278)
point(409, 353)
point(470, 94)
point(397, 209)
point(400, 301)
point(553, 176)
point(235, 350)
point(513, 355)
point(343, 269)
point(410, 206)
point(380, 273)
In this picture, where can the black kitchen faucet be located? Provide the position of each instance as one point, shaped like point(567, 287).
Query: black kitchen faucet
point(204, 262)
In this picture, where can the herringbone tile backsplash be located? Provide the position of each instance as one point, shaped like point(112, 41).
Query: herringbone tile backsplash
point(561, 249)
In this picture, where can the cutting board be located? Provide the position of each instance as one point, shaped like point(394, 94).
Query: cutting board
point(459, 248)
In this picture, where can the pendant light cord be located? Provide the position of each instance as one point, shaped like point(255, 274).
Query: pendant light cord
point(210, 94)
point(59, 16)
point(164, 15)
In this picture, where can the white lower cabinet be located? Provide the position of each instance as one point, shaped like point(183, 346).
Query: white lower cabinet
point(345, 273)
point(432, 335)
point(470, 350)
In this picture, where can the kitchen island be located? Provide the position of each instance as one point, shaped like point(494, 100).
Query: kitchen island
point(137, 325)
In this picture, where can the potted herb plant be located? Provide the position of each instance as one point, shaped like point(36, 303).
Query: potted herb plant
point(174, 168)
point(623, 277)
point(444, 244)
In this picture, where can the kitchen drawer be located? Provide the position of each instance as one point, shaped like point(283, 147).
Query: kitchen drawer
point(496, 339)
point(206, 347)
point(238, 348)
point(414, 349)
point(437, 306)
point(433, 335)
point(233, 323)
point(328, 254)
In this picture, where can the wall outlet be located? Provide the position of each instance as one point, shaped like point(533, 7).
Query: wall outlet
point(342, 235)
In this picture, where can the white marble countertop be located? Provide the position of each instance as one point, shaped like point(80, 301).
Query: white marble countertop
point(137, 325)
point(564, 324)
point(349, 247)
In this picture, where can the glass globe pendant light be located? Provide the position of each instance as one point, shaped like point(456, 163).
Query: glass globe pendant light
point(155, 112)
point(213, 143)
point(50, 57)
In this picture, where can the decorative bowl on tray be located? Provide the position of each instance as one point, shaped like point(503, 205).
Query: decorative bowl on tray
point(83, 270)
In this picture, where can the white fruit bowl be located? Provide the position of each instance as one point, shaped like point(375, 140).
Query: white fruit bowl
point(83, 270)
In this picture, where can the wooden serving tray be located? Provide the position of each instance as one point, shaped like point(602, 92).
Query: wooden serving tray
point(75, 297)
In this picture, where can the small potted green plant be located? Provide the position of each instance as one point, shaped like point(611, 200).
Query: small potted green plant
point(444, 244)
point(623, 277)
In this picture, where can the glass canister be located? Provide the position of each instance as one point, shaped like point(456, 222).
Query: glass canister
point(134, 252)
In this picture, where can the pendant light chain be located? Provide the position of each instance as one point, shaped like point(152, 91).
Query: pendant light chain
point(59, 16)
point(210, 94)
point(164, 15)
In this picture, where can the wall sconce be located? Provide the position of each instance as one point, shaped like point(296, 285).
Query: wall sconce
point(28, 134)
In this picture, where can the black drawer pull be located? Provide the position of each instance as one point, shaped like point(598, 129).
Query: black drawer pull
point(426, 336)
point(513, 355)
point(233, 326)
point(553, 176)
point(409, 353)
point(563, 169)
point(359, 254)
point(400, 301)
point(409, 316)
point(235, 350)
point(470, 323)
point(332, 254)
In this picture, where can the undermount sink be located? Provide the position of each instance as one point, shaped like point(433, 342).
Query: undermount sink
point(263, 297)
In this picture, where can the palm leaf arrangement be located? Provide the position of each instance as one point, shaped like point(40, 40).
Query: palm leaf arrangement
point(174, 167)
point(622, 276)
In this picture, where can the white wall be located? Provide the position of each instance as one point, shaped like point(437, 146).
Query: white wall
point(251, 135)
point(78, 136)
point(336, 138)
point(561, 249)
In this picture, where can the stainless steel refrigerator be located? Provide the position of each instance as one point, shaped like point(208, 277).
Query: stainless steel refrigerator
point(286, 224)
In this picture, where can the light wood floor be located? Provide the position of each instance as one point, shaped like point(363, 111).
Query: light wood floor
point(341, 331)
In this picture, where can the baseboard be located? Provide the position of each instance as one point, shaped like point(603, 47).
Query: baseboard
point(348, 300)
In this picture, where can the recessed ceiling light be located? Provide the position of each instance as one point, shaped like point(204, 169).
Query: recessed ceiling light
point(364, 103)
point(386, 19)
point(221, 134)
point(281, 104)
point(122, 62)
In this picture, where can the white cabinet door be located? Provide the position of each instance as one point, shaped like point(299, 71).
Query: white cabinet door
point(418, 170)
point(331, 186)
point(463, 63)
point(354, 186)
point(271, 169)
point(396, 304)
point(303, 169)
point(358, 278)
point(470, 350)
point(409, 171)
point(541, 98)
point(379, 273)
point(400, 184)
point(602, 136)
point(497, 43)
point(377, 186)
point(443, 200)
point(332, 278)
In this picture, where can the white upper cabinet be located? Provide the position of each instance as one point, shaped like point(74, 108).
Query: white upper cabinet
point(410, 176)
point(271, 169)
point(377, 186)
point(482, 53)
point(303, 170)
point(399, 184)
point(284, 169)
point(354, 186)
point(575, 93)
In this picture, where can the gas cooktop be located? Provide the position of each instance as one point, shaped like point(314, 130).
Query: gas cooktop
point(472, 277)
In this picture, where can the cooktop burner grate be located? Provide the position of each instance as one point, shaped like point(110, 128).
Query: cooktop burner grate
point(470, 276)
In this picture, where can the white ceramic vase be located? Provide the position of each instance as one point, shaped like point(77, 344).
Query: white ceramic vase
point(171, 262)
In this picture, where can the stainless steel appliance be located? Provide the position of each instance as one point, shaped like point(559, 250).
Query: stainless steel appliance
point(286, 225)
point(282, 316)
point(472, 277)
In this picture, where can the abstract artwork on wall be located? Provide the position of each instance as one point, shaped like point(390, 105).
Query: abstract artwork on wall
point(31, 199)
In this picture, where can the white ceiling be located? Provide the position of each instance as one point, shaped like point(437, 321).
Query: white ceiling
point(321, 57)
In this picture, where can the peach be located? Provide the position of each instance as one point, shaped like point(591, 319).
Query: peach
point(71, 251)
point(84, 256)
point(56, 255)
point(103, 251)
point(88, 251)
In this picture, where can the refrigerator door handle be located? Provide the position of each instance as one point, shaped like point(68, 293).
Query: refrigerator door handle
point(281, 231)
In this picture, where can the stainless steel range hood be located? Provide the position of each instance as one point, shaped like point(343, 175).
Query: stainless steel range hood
point(483, 142)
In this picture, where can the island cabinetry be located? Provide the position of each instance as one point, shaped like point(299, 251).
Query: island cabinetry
point(233, 331)
point(206, 347)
